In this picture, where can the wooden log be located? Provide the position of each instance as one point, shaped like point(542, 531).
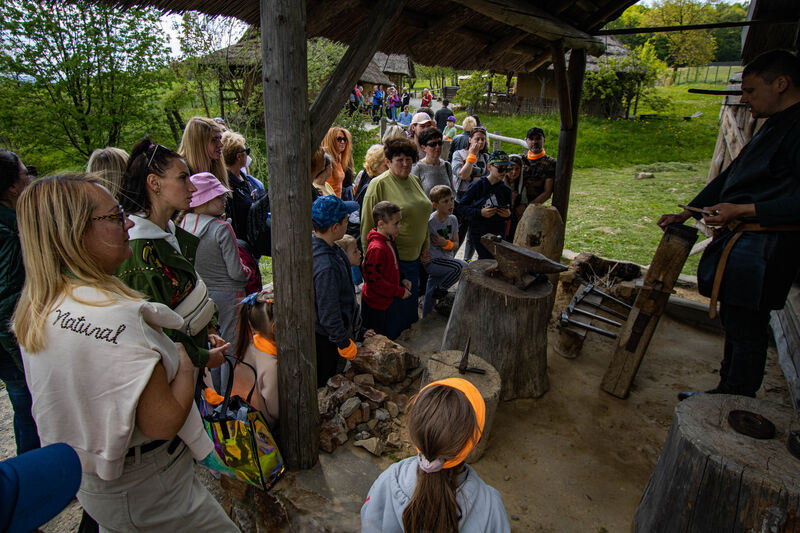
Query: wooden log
point(443, 365)
point(508, 328)
point(637, 331)
point(568, 137)
point(283, 47)
point(560, 75)
point(711, 478)
point(541, 229)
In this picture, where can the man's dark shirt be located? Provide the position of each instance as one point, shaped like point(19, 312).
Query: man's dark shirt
point(535, 173)
point(441, 117)
point(762, 265)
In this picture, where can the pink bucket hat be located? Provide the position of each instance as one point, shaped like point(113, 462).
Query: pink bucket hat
point(208, 188)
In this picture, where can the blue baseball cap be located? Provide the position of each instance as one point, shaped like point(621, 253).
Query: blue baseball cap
point(328, 210)
point(36, 486)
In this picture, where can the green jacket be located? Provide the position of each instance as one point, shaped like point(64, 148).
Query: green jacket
point(12, 277)
point(159, 272)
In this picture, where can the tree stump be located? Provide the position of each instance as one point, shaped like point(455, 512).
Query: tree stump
point(711, 478)
point(488, 384)
point(508, 328)
point(541, 229)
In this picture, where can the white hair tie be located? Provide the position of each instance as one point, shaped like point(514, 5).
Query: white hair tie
point(429, 467)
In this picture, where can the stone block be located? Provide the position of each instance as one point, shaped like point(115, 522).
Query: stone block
point(364, 379)
point(371, 394)
point(353, 420)
point(384, 359)
point(382, 415)
point(350, 406)
point(332, 434)
point(373, 445)
point(392, 408)
point(337, 381)
point(644, 175)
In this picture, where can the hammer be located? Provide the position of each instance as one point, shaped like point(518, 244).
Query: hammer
point(572, 309)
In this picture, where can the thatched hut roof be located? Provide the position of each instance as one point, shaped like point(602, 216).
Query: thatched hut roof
point(373, 73)
point(394, 64)
point(501, 35)
point(763, 37)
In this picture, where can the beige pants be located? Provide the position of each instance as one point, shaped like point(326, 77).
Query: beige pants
point(156, 492)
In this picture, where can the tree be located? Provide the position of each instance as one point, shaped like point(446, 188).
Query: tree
point(323, 56)
point(620, 82)
point(472, 90)
point(685, 48)
point(82, 74)
point(729, 40)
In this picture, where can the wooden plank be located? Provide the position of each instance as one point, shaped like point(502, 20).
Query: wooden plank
point(538, 61)
point(333, 95)
point(637, 331)
point(568, 137)
point(283, 45)
point(523, 15)
point(734, 125)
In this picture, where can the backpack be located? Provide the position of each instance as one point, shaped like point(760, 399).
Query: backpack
point(259, 228)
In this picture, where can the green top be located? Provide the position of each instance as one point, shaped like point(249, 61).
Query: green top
point(415, 207)
point(450, 132)
point(167, 276)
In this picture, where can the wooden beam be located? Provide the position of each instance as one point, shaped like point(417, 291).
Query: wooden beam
point(688, 27)
point(283, 52)
point(611, 12)
point(538, 61)
point(333, 95)
point(522, 15)
point(564, 98)
point(494, 52)
point(568, 137)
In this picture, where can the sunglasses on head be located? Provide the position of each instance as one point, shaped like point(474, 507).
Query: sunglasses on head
point(155, 148)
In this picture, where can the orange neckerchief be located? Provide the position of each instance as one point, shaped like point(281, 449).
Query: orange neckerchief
point(534, 157)
point(265, 345)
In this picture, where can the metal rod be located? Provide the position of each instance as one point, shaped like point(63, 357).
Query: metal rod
point(689, 27)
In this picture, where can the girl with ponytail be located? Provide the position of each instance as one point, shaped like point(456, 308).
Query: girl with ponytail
point(435, 491)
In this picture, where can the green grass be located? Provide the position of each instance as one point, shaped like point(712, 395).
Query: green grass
point(706, 74)
point(265, 266)
point(614, 215)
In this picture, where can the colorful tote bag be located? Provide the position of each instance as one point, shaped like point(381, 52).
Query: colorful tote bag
point(241, 436)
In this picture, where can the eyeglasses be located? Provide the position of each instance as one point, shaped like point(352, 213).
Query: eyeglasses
point(434, 143)
point(341, 139)
point(120, 216)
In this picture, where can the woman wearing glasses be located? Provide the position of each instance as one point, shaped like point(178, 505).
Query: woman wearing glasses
point(431, 170)
point(156, 185)
point(104, 378)
point(338, 144)
point(14, 178)
point(245, 189)
point(469, 165)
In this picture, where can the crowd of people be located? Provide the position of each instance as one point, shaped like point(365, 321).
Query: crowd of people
point(148, 260)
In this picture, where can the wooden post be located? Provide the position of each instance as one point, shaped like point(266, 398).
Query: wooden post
point(568, 136)
point(283, 49)
point(637, 331)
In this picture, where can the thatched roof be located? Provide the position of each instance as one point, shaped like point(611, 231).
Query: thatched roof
point(763, 37)
point(373, 73)
point(500, 35)
point(394, 64)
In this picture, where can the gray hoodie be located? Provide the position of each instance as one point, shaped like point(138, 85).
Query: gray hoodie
point(217, 259)
point(481, 507)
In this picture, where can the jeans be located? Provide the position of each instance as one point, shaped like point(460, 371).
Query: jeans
point(443, 274)
point(402, 313)
point(25, 432)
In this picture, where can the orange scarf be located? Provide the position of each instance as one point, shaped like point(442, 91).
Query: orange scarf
point(534, 157)
point(265, 345)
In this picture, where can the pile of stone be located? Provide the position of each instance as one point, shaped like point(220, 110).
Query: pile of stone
point(366, 401)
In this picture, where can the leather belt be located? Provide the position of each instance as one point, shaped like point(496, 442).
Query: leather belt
point(153, 445)
point(737, 228)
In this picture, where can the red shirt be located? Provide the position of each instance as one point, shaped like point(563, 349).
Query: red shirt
point(381, 272)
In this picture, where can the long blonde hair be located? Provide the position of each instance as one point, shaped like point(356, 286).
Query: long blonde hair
point(329, 145)
point(53, 215)
point(193, 149)
point(109, 163)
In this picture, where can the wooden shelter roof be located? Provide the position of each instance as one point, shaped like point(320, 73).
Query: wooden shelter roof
point(499, 35)
point(763, 37)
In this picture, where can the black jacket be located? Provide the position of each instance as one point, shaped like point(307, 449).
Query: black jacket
point(12, 277)
point(334, 297)
point(482, 194)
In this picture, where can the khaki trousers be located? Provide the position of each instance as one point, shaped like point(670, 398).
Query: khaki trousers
point(157, 492)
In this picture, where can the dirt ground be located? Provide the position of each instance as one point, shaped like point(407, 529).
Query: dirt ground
point(576, 459)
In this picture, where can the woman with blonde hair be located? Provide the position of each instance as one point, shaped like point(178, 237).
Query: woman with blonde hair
point(201, 148)
point(435, 490)
point(338, 144)
point(109, 164)
point(374, 165)
point(104, 377)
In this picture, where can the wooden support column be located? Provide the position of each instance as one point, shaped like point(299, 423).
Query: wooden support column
point(283, 49)
point(333, 95)
point(568, 136)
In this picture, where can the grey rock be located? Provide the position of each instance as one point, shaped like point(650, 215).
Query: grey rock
point(350, 406)
point(382, 414)
point(392, 408)
point(373, 445)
